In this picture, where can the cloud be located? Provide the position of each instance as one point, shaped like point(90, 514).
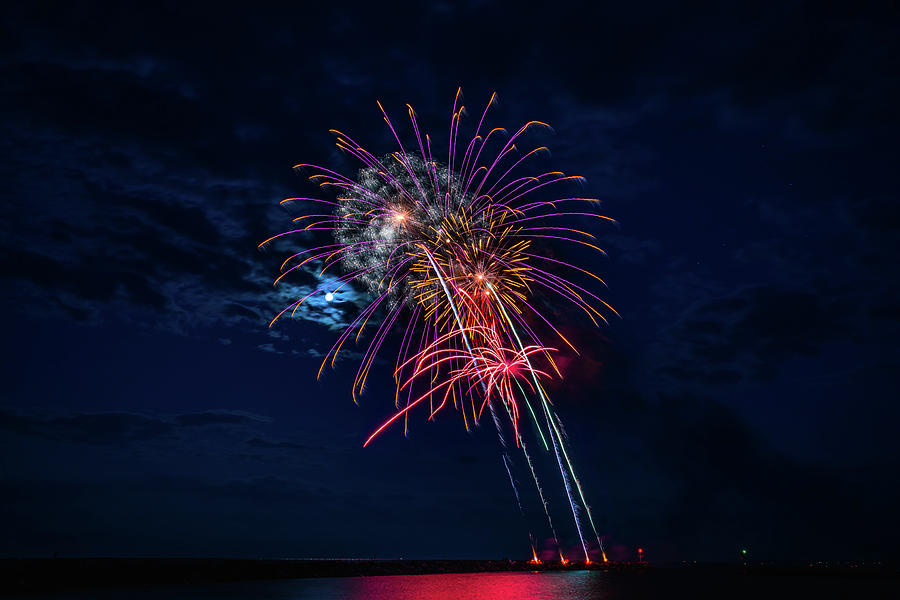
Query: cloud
point(90, 428)
point(132, 227)
point(257, 442)
point(220, 418)
point(747, 334)
point(114, 428)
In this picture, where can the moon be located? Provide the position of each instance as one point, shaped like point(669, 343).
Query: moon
point(329, 297)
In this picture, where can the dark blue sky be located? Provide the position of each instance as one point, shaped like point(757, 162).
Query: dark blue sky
point(747, 397)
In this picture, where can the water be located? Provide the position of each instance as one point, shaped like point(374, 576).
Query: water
point(660, 584)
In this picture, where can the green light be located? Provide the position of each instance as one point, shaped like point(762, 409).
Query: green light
point(743, 552)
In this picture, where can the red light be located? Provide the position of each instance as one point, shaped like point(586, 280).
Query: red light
point(640, 550)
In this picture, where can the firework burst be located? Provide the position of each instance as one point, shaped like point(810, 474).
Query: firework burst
point(451, 246)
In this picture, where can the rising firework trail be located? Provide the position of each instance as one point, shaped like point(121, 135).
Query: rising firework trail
point(556, 441)
point(487, 388)
point(452, 249)
point(484, 386)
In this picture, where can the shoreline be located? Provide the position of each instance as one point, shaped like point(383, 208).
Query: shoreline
point(36, 575)
point(64, 574)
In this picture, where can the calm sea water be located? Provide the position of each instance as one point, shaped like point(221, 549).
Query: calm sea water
point(661, 584)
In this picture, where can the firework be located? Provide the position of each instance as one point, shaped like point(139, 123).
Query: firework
point(452, 247)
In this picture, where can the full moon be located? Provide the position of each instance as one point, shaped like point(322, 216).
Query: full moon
point(329, 297)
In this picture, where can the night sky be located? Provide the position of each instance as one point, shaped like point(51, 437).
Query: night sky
point(747, 398)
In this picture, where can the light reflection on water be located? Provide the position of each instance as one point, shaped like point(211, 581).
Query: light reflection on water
point(655, 584)
point(456, 586)
point(480, 586)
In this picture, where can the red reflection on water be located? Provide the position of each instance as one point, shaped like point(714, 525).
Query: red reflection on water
point(471, 586)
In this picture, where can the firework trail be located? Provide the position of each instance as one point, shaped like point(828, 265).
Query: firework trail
point(450, 246)
point(497, 371)
point(485, 387)
point(540, 492)
point(558, 446)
